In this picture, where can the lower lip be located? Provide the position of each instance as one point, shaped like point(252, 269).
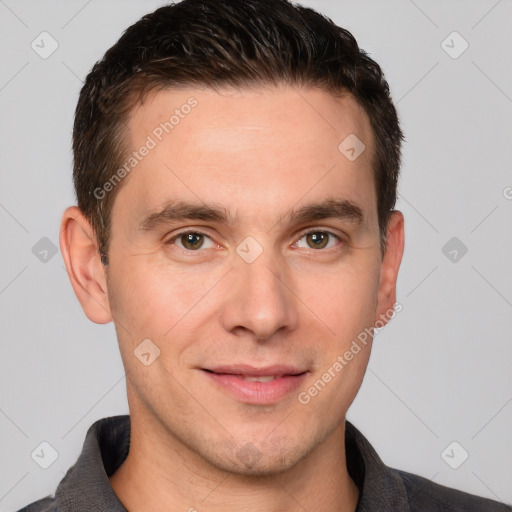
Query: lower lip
point(252, 392)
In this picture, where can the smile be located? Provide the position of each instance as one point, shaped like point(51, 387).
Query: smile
point(262, 386)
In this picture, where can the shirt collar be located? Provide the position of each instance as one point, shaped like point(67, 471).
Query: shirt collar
point(380, 487)
point(86, 485)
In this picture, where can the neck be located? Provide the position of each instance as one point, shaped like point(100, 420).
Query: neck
point(161, 474)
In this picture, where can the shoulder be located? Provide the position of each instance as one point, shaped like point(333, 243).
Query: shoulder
point(423, 494)
point(47, 504)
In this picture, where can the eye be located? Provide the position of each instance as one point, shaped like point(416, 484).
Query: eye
point(195, 240)
point(316, 239)
point(191, 241)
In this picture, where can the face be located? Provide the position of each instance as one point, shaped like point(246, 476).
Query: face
point(250, 293)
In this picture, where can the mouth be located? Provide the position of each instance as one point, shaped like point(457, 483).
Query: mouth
point(252, 385)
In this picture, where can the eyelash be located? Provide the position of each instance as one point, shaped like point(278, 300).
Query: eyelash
point(314, 230)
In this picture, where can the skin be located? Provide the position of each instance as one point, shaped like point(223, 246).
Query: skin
point(258, 154)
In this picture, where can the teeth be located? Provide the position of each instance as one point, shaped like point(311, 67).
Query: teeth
point(262, 378)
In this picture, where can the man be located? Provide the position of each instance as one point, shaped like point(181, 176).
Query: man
point(236, 165)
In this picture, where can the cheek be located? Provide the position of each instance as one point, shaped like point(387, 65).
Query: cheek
point(156, 302)
point(347, 299)
point(346, 304)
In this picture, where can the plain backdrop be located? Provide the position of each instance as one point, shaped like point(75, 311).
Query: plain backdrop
point(439, 373)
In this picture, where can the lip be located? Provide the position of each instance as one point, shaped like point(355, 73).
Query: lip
point(229, 380)
point(252, 371)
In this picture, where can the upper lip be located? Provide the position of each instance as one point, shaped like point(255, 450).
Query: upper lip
point(251, 371)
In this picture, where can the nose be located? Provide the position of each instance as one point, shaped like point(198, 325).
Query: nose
point(257, 299)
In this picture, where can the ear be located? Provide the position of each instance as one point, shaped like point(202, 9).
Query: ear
point(389, 268)
point(83, 263)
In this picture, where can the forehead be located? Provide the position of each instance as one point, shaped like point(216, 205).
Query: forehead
point(267, 108)
point(248, 148)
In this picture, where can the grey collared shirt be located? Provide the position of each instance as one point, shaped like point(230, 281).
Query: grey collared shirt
point(86, 486)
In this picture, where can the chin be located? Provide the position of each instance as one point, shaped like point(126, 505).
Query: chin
point(265, 467)
point(248, 460)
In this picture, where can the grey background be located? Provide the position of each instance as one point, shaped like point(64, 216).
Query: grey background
point(439, 372)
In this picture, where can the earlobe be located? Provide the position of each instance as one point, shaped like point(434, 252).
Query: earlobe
point(83, 264)
point(389, 268)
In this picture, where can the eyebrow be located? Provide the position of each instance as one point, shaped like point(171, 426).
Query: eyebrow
point(172, 211)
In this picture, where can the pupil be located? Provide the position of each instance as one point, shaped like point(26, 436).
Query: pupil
point(318, 239)
point(189, 240)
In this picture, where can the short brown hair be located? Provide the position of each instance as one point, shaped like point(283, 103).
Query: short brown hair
point(215, 43)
